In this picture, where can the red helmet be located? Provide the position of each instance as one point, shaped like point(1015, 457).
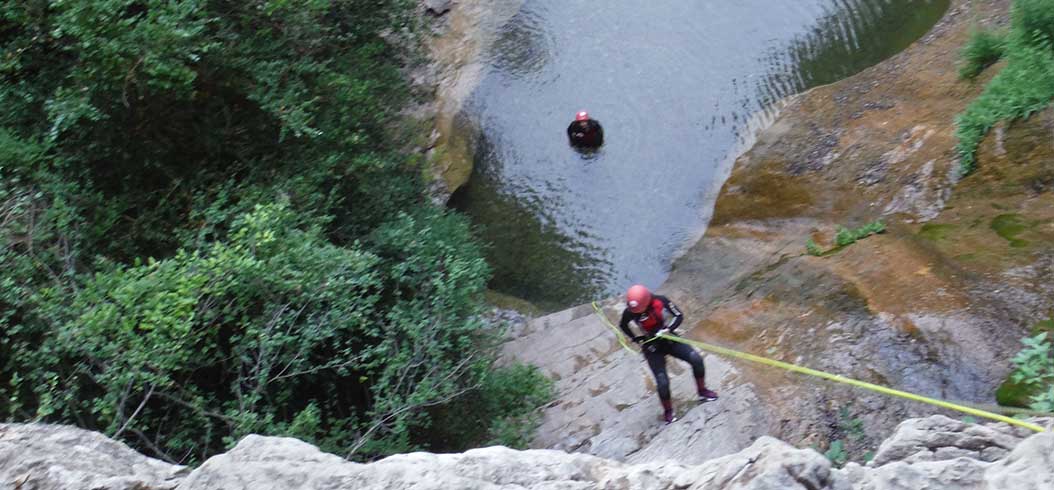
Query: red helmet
point(638, 298)
point(582, 116)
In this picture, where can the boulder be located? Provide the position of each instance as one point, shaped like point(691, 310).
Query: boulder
point(54, 457)
point(1030, 466)
point(274, 463)
point(940, 438)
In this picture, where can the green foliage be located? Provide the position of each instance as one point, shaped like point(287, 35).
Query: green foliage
point(836, 453)
point(1024, 86)
point(840, 451)
point(982, 50)
point(936, 231)
point(502, 411)
point(1009, 226)
point(236, 335)
point(206, 231)
point(157, 104)
point(511, 397)
point(845, 237)
point(1035, 17)
point(1013, 394)
point(1034, 367)
point(812, 248)
point(273, 331)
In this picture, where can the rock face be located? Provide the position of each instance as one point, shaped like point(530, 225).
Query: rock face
point(41, 457)
point(51, 457)
point(606, 403)
point(438, 7)
point(462, 36)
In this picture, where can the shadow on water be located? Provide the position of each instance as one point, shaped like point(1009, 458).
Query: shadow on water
point(679, 87)
point(546, 274)
point(851, 36)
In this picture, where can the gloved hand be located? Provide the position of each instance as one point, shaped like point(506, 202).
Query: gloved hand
point(640, 338)
point(663, 332)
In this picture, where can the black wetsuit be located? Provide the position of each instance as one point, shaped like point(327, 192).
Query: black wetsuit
point(585, 134)
point(655, 350)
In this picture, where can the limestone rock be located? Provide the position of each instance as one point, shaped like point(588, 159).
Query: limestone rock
point(438, 7)
point(962, 473)
point(53, 457)
point(771, 464)
point(607, 402)
point(274, 463)
point(940, 438)
point(46, 457)
point(1029, 467)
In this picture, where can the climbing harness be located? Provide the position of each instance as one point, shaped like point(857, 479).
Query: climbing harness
point(825, 375)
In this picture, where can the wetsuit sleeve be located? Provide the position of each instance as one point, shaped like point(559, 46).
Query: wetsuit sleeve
point(678, 317)
point(598, 130)
point(571, 130)
point(623, 324)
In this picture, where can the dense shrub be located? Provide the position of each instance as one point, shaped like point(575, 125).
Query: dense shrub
point(206, 230)
point(154, 103)
point(1024, 86)
point(503, 411)
point(983, 49)
point(1034, 370)
point(1035, 18)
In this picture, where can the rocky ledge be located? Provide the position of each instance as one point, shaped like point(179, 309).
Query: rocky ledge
point(931, 453)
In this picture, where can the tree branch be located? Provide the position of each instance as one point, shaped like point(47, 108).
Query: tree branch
point(138, 409)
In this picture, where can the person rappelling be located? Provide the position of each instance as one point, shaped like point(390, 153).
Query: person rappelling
point(647, 311)
point(585, 132)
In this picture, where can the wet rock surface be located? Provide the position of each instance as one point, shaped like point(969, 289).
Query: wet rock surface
point(279, 463)
point(935, 305)
point(606, 403)
point(460, 36)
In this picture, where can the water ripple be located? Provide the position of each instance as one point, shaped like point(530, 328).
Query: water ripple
point(679, 87)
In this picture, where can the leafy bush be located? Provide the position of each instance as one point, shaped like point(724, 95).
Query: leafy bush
point(1035, 18)
point(1035, 369)
point(836, 453)
point(503, 411)
point(206, 230)
point(982, 50)
point(274, 331)
point(845, 237)
point(848, 237)
point(156, 104)
point(1024, 86)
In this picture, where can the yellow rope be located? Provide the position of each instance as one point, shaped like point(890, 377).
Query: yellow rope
point(618, 334)
point(831, 377)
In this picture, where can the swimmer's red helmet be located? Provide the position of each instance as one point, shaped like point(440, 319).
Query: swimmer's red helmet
point(582, 116)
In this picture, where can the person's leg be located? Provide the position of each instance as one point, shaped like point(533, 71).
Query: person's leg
point(657, 363)
point(687, 354)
